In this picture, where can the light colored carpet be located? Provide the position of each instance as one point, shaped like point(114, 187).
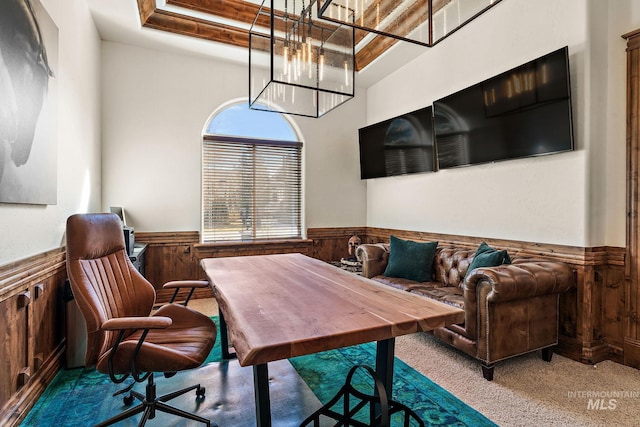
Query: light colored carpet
point(526, 391)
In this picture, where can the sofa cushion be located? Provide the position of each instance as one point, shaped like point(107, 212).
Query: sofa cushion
point(486, 256)
point(451, 295)
point(404, 284)
point(410, 260)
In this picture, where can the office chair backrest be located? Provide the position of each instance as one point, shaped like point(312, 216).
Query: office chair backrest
point(104, 282)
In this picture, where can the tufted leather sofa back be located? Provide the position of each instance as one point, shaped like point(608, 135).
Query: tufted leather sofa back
point(450, 265)
point(104, 282)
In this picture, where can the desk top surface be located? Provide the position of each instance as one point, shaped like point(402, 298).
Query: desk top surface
point(281, 306)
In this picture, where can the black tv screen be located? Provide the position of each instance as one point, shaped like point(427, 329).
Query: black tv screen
point(398, 146)
point(520, 113)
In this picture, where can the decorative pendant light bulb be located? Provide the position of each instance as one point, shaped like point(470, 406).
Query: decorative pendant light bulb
point(285, 58)
point(309, 55)
point(299, 61)
point(346, 72)
point(321, 64)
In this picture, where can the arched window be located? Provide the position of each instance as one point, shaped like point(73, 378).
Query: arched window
point(251, 177)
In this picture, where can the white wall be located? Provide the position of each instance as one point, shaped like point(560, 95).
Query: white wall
point(155, 105)
point(574, 198)
point(26, 230)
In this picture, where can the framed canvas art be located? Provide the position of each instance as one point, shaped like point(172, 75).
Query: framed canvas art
point(28, 103)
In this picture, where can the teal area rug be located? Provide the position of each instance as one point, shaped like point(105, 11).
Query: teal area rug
point(325, 373)
point(76, 396)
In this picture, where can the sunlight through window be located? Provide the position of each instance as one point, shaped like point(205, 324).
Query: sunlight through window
point(251, 177)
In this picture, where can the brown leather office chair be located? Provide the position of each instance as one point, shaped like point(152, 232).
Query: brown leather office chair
point(123, 338)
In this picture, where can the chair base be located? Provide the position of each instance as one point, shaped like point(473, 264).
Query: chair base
point(150, 404)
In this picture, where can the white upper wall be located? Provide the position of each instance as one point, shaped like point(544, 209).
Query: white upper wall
point(155, 106)
point(574, 198)
point(29, 229)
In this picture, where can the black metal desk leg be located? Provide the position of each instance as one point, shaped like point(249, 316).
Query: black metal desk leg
point(384, 369)
point(385, 353)
point(224, 338)
point(261, 391)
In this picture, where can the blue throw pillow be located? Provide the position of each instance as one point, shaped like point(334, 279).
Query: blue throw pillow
point(410, 260)
point(486, 256)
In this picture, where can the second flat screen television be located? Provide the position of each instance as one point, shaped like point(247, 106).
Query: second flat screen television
point(520, 113)
point(398, 146)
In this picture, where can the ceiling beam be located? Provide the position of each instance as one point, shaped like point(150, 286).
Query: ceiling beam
point(240, 11)
point(237, 10)
point(159, 19)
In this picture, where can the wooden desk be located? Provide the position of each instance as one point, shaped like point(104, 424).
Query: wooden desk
point(281, 306)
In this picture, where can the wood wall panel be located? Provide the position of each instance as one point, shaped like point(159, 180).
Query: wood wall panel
point(47, 330)
point(332, 244)
point(613, 312)
point(631, 349)
point(176, 256)
point(31, 330)
point(169, 256)
point(219, 250)
point(14, 318)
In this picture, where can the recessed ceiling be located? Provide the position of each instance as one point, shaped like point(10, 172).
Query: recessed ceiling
point(229, 21)
point(220, 29)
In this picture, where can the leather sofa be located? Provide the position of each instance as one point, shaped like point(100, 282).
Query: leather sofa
point(510, 310)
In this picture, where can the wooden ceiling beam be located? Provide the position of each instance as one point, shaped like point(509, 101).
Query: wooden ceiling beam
point(371, 51)
point(152, 17)
point(237, 10)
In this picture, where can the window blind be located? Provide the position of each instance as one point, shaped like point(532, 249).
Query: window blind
point(251, 189)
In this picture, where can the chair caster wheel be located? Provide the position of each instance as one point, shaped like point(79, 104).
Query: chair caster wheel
point(200, 391)
point(127, 400)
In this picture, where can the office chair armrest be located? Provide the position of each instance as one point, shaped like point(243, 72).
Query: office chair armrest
point(183, 284)
point(186, 284)
point(122, 323)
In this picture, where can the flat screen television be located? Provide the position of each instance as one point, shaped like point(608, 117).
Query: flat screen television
point(520, 113)
point(398, 146)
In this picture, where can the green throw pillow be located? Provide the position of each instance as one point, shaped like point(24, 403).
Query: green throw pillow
point(486, 256)
point(410, 260)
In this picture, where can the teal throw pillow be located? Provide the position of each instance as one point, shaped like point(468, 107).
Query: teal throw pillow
point(410, 260)
point(486, 256)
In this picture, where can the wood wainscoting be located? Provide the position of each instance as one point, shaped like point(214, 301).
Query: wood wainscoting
point(32, 331)
point(170, 256)
point(332, 244)
point(176, 256)
point(592, 317)
point(631, 311)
